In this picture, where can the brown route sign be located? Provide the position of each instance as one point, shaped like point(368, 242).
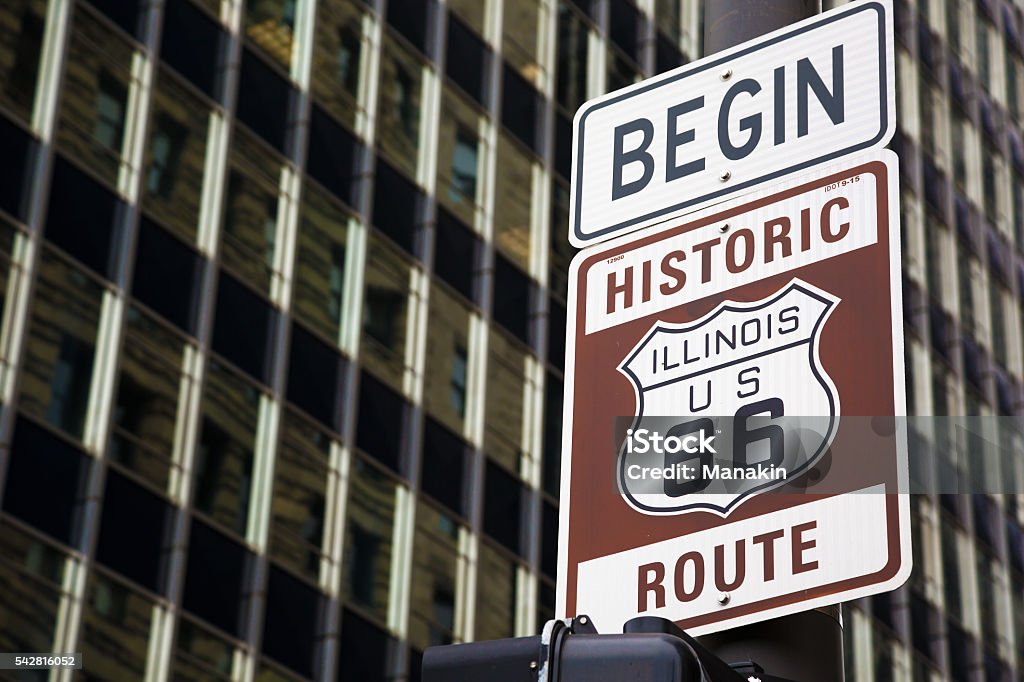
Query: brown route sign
point(784, 303)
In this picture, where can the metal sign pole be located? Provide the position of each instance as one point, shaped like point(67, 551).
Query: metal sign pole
point(803, 647)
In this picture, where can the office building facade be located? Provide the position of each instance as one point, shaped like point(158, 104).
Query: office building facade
point(284, 302)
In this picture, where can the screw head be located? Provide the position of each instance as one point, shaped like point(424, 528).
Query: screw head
point(726, 75)
point(724, 598)
point(752, 678)
point(583, 620)
point(533, 665)
point(724, 227)
point(724, 175)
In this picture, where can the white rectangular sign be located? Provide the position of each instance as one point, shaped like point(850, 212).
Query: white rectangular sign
point(811, 92)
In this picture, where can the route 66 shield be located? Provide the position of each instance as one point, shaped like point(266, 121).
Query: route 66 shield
point(750, 374)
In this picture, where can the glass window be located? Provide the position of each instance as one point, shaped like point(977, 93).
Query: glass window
point(410, 18)
point(982, 30)
point(61, 342)
point(513, 197)
point(270, 24)
point(191, 43)
point(385, 307)
point(401, 78)
point(332, 155)
point(365, 649)
point(318, 295)
point(556, 332)
point(367, 555)
point(435, 572)
point(503, 506)
point(215, 579)
point(561, 250)
point(472, 12)
point(21, 34)
point(316, 375)
point(396, 204)
point(990, 181)
point(300, 494)
point(522, 42)
point(667, 55)
point(625, 27)
point(379, 432)
point(166, 275)
point(31, 575)
point(443, 472)
point(512, 293)
point(549, 539)
point(521, 109)
point(223, 463)
point(242, 326)
point(94, 95)
point(445, 379)
point(456, 250)
point(668, 15)
point(115, 629)
point(74, 193)
point(571, 81)
point(621, 71)
point(495, 594)
point(133, 529)
point(176, 155)
point(200, 653)
point(17, 148)
point(459, 154)
point(249, 237)
point(337, 57)
point(37, 455)
point(290, 621)
point(264, 99)
point(552, 454)
point(503, 430)
point(146, 406)
point(468, 58)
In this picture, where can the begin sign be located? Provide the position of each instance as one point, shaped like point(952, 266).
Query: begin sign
point(808, 93)
point(785, 304)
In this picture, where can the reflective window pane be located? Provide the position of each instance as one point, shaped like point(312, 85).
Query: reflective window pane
point(503, 430)
point(384, 310)
point(21, 34)
point(320, 262)
point(270, 24)
point(200, 654)
point(367, 555)
point(496, 595)
point(446, 374)
point(459, 155)
point(435, 574)
point(290, 621)
point(115, 629)
point(401, 78)
point(522, 45)
point(338, 54)
point(300, 493)
point(191, 42)
point(30, 573)
point(134, 531)
point(215, 578)
point(224, 456)
point(146, 403)
point(513, 202)
point(61, 343)
point(94, 95)
point(175, 155)
point(36, 455)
